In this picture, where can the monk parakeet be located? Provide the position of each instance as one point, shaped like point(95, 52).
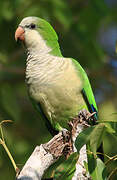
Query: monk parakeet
point(58, 87)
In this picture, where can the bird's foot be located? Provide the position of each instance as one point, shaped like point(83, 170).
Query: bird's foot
point(66, 135)
point(86, 117)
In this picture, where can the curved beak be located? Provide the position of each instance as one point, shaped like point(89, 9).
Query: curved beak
point(19, 34)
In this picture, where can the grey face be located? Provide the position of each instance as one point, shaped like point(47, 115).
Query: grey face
point(29, 22)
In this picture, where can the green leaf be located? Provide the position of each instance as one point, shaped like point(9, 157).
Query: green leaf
point(86, 166)
point(83, 138)
point(93, 134)
point(109, 129)
point(108, 120)
point(96, 136)
point(96, 167)
point(67, 169)
point(51, 170)
point(101, 169)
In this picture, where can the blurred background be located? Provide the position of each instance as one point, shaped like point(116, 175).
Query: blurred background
point(87, 31)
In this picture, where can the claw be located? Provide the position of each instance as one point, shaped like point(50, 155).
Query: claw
point(66, 134)
point(84, 115)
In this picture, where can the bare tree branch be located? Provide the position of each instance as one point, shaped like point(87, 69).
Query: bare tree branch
point(46, 154)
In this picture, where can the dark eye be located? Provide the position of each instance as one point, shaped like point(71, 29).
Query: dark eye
point(32, 26)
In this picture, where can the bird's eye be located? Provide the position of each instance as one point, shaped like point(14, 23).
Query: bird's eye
point(32, 26)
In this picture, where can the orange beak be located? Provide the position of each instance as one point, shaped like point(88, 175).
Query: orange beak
point(19, 34)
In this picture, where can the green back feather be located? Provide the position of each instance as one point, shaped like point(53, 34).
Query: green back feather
point(86, 84)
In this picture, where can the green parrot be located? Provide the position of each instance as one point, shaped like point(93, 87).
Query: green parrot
point(58, 87)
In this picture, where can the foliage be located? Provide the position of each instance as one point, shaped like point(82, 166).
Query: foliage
point(94, 136)
point(85, 33)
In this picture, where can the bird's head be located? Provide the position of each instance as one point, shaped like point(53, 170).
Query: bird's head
point(36, 33)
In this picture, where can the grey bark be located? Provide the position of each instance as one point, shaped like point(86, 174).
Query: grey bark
point(46, 154)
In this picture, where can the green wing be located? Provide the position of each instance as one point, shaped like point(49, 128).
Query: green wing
point(43, 117)
point(87, 90)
